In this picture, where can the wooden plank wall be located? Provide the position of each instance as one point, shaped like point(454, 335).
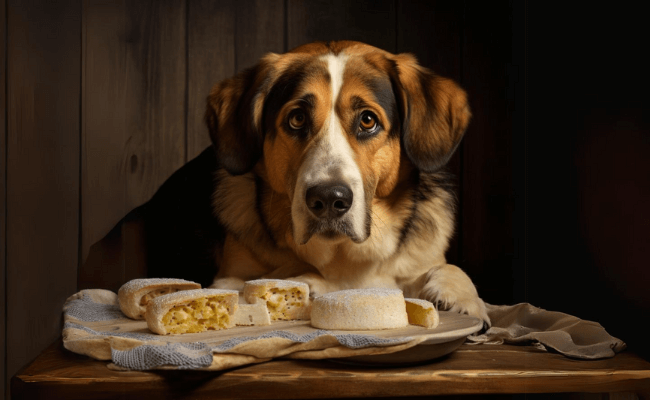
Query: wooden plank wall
point(3, 192)
point(133, 109)
point(105, 100)
point(225, 37)
point(43, 88)
point(210, 59)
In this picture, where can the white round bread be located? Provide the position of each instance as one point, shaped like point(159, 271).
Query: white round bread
point(360, 309)
point(134, 295)
point(192, 311)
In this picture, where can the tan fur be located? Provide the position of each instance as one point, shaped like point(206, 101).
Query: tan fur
point(282, 156)
point(411, 216)
point(378, 159)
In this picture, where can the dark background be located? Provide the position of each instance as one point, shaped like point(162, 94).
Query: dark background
point(587, 185)
point(103, 101)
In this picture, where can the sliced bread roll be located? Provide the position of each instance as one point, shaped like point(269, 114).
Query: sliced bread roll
point(192, 311)
point(422, 312)
point(285, 300)
point(360, 309)
point(134, 295)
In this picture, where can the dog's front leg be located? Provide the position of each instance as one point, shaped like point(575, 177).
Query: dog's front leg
point(451, 289)
point(237, 264)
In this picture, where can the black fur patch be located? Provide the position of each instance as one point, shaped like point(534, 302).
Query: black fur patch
point(285, 89)
point(427, 186)
point(244, 147)
point(385, 97)
point(282, 91)
point(260, 190)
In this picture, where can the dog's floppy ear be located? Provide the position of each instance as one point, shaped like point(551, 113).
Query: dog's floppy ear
point(234, 116)
point(433, 110)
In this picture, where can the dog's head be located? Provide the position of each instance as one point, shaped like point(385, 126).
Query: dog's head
point(334, 126)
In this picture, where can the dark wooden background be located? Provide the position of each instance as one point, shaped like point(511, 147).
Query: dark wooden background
point(103, 100)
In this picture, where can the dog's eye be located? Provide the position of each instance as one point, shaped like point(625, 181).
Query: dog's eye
point(368, 121)
point(297, 119)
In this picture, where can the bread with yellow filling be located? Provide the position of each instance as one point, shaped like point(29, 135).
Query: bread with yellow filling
point(192, 311)
point(134, 295)
point(285, 300)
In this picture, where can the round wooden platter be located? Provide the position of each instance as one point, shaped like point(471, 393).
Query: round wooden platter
point(444, 339)
point(434, 343)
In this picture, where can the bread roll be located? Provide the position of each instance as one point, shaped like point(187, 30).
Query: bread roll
point(360, 309)
point(192, 311)
point(422, 312)
point(134, 295)
point(285, 300)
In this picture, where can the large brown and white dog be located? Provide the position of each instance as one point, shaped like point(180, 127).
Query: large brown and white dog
point(331, 159)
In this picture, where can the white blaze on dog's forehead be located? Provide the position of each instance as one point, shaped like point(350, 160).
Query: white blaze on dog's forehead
point(335, 66)
point(331, 159)
point(343, 153)
point(334, 149)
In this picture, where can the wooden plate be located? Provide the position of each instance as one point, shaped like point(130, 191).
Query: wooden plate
point(410, 344)
point(444, 339)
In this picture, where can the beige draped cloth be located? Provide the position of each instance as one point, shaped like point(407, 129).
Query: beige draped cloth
point(571, 336)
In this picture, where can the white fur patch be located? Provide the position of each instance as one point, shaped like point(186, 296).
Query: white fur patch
point(330, 159)
point(335, 66)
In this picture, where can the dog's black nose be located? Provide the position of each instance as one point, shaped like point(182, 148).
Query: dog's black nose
point(329, 200)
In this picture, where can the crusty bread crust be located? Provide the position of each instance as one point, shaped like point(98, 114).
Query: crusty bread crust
point(130, 296)
point(158, 307)
point(360, 309)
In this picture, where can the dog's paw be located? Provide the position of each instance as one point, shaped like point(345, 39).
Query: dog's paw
point(452, 290)
point(228, 283)
point(317, 285)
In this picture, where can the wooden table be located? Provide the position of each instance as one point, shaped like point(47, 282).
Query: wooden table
point(472, 369)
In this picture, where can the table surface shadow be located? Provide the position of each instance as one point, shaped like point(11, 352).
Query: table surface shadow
point(470, 370)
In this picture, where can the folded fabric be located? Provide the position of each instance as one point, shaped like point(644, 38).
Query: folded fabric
point(571, 336)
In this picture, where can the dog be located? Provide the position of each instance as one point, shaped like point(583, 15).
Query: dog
point(331, 172)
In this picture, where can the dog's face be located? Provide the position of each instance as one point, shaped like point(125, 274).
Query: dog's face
point(335, 127)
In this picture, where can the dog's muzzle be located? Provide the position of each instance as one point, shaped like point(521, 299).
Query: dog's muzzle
point(329, 201)
point(328, 205)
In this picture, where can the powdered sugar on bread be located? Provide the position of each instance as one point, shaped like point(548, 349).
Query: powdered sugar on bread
point(360, 309)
